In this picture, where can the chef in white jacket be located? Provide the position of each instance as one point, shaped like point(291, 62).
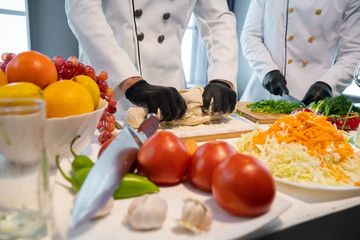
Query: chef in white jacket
point(306, 48)
point(138, 43)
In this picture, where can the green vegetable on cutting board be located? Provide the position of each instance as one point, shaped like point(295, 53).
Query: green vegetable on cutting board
point(132, 185)
point(272, 106)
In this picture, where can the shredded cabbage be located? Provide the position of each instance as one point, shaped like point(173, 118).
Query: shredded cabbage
point(293, 162)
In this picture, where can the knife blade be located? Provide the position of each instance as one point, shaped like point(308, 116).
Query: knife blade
point(107, 173)
point(290, 98)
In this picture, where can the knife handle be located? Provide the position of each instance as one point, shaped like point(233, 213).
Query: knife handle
point(150, 125)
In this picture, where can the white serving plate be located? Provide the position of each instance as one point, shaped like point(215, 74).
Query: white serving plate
point(315, 192)
point(115, 226)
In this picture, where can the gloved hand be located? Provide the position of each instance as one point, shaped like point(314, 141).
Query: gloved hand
point(224, 97)
point(275, 83)
point(318, 91)
point(167, 99)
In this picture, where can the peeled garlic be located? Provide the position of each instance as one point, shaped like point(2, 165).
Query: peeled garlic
point(196, 216)
point(147, 212)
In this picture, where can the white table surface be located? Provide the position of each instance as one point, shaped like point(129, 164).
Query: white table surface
point(302, 207)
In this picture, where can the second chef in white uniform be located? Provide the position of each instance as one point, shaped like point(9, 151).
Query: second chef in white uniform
point(140, 40)
point(307, 48)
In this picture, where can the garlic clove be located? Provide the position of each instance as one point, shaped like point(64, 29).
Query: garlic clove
point(195, 216)
point(147, 212)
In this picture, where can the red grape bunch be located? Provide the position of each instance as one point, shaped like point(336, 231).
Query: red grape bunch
point(6, 57)
point(70, 68)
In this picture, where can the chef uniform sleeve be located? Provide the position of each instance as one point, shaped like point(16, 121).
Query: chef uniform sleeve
point(340, 75)
point(252, 41)
point(88, 23)
point(217, 27)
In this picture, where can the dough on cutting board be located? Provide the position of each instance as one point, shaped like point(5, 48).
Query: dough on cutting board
point(193, 115)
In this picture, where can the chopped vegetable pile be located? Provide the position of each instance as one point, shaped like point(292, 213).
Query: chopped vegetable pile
point(305, 148)
point(272, 106)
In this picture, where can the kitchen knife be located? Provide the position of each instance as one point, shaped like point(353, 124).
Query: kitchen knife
point(290, 98)
point(107, 173)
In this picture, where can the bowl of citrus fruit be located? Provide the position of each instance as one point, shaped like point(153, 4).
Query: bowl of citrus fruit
point(78, 102)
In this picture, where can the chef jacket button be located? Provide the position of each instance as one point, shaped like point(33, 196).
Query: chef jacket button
point(291, 37)
point(166, 16)
point(161, 38)
point(304, 63)
point(291, 10)
point(311, 39)
point(140, 36)
point(318, 11)
point(290, 61)
point(138, 13)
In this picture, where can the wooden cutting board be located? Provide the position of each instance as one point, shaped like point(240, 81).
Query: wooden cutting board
point(261, 118)
point(230, 127)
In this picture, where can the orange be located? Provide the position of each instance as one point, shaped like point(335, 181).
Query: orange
point(191, 145)
point(3, 78)
point(31, 66)
point(66, 98)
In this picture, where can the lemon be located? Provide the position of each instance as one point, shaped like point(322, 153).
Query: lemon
point(91, 86)
point(67, 98)
point(21, 90)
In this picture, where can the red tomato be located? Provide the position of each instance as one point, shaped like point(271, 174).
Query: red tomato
point(205, 159)
point(163, 158)
point(243, 186)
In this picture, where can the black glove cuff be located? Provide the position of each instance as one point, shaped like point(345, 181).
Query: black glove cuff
point(324, 84)
point(222, 82)
point(129, 91)
point(273, 71)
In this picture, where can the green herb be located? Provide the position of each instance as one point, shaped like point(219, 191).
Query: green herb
point(334, 106)
point(272, 106)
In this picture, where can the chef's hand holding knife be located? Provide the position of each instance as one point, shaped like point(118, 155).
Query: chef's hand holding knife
point(275, 83)
point(318, 91)
point(224, 98)
point(167, 99)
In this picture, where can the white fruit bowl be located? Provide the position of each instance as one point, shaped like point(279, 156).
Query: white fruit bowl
point(61, 131)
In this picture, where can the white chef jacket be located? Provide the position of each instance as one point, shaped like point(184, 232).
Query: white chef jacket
point(306, 40)
point(143, 38)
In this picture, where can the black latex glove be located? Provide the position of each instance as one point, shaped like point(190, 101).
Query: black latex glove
point(275, 83)
point(224, 97)
point(317, 91)
point(167, 99)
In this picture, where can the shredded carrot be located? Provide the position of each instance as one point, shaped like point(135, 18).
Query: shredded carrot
point(191, 145)
point(310, 130)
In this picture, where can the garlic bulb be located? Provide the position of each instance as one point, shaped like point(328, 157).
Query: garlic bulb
point(147, 212)
point(196, 216)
